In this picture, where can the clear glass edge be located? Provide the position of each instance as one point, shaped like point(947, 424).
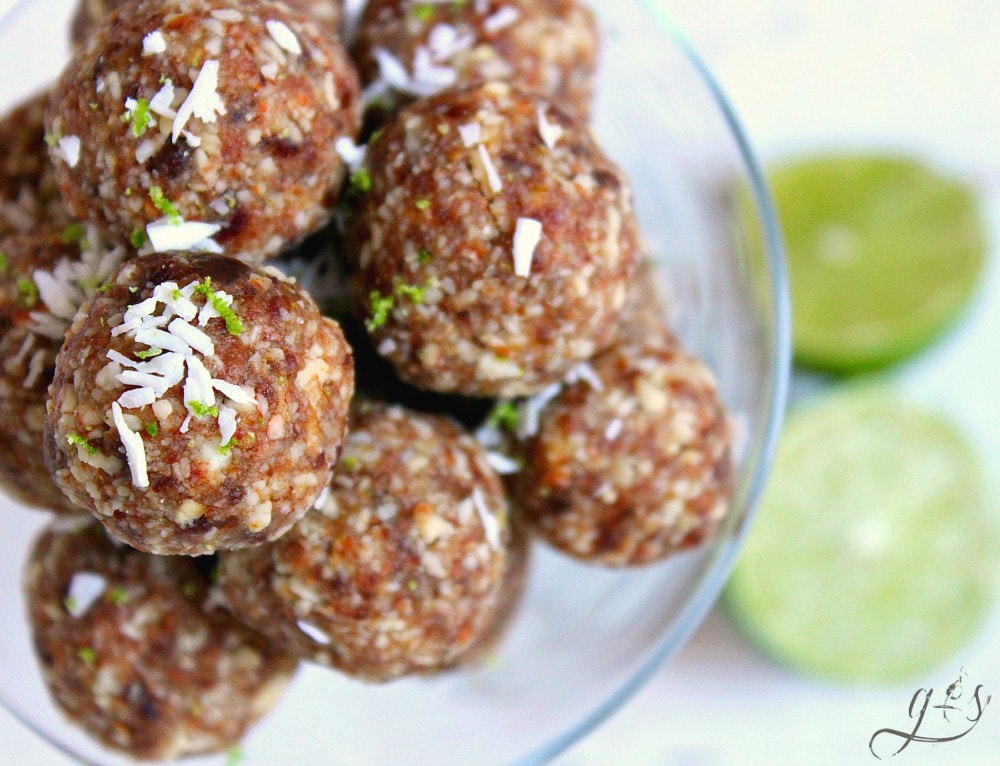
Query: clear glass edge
point(708, 589)
point(720, 565)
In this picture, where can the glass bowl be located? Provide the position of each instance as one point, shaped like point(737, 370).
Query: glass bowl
point(585, 638)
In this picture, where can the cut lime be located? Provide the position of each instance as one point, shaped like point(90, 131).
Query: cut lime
point(875, 553)
point(883, 253)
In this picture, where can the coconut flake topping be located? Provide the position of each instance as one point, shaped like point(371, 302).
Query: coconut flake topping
point(351, 153)
point(154, 43)
point(501, 19)
point(84, 590)
point(68, 149)
point(492, 177)
point(165, 236)
point(471, 133)
point(527, 235)
point(491, 526)
point(135, 449)
point(203, 101)
point(549, 131)
point(284, 37)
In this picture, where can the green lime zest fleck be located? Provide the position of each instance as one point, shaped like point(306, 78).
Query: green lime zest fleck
point(375, 136)
point(29, 291)
point(351, 463)
point(137, 238)
point(234, 756)
point(423, 12)
point(87, 655)
point(93, 106)
point(118, 596)
point(103, 288)
point(203, 410)
point(424, 255)
point(412, 586)
point(361, 181)
point(4, 263)
point(73, 233)
point(190, 589)
point(165, 206)
point(381, 305)
point(414, 292)
point(53, 139)
point(152, 429)
point(139, 116)
point(79, 441)
point(226, 448)
point(504, 415)
point(70, 604)
point(233, 324)
point(149, 353)
point(422, 204)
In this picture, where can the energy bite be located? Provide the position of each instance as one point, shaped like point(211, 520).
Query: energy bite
point(198, 404)
point(44, 279)
point(204, 125)
point(326, 14)
point(132, 652)
point(633, 465)
point(400, 568)
point(494, 243)
point(28, 194)
point(408, 48)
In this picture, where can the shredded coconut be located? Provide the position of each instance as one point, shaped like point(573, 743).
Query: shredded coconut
point(165, 236)
point(501, 19)
point(313, 632)
point(492, 177)
point(135, 450)
point(84, 590)
point(501, 463)
point(68, 149)
point(284, 37)
point(203, 101)
point(154, 43)
point(549, 131)
point(471, 133)
point(351, 153)
point(491, 526)
point(527, 235)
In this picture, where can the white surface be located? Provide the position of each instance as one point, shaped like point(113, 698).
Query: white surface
point(802, 74)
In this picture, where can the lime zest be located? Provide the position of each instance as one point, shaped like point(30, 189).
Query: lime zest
point(139, 116)
point(233, 324)
point(78, 441)
point(4, 263)
point(361, 181)
point(152, 429)
point(137, 238)
point(203, 410)
point(118, 595)
point(29, 291)
point(164, 205)
point(381, 306)
point(505, 415)
point(87, 655)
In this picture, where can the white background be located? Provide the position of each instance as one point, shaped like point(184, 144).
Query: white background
point(805, 74)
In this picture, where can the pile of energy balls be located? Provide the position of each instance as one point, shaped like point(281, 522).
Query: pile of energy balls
point(240, 482)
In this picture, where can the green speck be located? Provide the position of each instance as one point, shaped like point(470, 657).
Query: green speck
point(93, 106)
point(423, 203)
point(104, 288)
point(79, 441)
point(4, 263)
point(423, 12)
point(133, 289)
point(128, 191)
point(73, 233)
point(190, 589)
point(139, 116)
point(53, 139)
point(414, 292)
point(375, 136)
point(504, 415)
point(234, 756)
point(424, 255)
point(87, 655)
point(361, 181)
point(118, 596)
point(137, 238)
point(233, 324)
point(149, 353)
point(70, 603)
point(152, 429)
point(226, 448)
point(412, 586)
point(29, 292)
point(381, 305)
point(203, 410)
point(351, 463)
point(164, 205)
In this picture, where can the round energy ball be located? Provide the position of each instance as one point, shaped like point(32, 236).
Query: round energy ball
point(494, 245)
point(132, 652)
point(633, 465)
point(407, 49)
point(44, 279)
point(400, 568)
point(204, 125)
point(28, 194)
point(326, 14)
point(198, 404)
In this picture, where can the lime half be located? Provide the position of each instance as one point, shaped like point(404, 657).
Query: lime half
point(883, 253)
point(874, 555)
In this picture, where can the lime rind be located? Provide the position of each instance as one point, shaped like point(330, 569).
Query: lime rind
point(874, 555)
point(883, 252)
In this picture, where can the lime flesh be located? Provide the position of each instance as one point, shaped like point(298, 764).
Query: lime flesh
point(883, 253)
point(873, 558)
